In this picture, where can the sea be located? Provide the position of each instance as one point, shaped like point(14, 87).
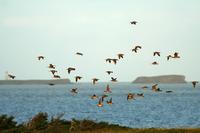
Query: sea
point(180, 108)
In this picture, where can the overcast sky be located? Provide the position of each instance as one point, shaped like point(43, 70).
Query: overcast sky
point(58, 29)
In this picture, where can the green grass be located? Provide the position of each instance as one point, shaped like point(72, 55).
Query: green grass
point(40, 124)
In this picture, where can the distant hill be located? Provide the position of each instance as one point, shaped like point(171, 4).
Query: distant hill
point(161, 79)
point(29, 82)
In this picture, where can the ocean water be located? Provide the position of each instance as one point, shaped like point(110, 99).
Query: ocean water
point(181, 108)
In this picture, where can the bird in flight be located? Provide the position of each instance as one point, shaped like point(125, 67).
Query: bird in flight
point(144, 87)
point(104, 96)
point(176, 55)
point(156, 53)
point(115, 61)
point(136, 48)
point(140, 94)
point(108, 89)
point(94, 96)
point(78, 78)
point(108, 60)
point(109, 72)
point(154, 87)
point(74, 90)
point(134, 22)
point(113, 79)
point(168, 57)
point(94, 80)
point(70, 69)
point(168, 91)
point(78, 53)
point(40, 57)
point(110, 101)
point(194, 83)
point(120, 56)
point(51, 66)
point(53, 71)
point(154, 63)
point(56, 76)
point(100, 104)
point(51, 84)
point(130, 96)
point(11, 76)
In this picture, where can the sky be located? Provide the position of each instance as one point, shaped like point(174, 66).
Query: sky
point(58, 29)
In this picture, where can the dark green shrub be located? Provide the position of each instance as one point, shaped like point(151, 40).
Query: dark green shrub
point(38, 122)
point(86, 124)
point(7, 122)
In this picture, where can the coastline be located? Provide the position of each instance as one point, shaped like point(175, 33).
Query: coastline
point(35, 81)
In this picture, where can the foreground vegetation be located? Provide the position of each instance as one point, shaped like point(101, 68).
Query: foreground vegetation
point(41, 124)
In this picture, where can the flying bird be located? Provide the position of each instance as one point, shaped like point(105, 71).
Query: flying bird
point(194, 83)
point(104, 96)
point(78, 53)
point(70, 69)
point(113, 79)
point(120, 56)
point(136, 48)
point(51, 84)
point(56, 76)
point(108, 60)
point(154, 63)
point(78, 78)
point(144, 87)
point(109, 72)
point(51, 66)
point(154, 87)
point(94, 80)
point(134, 22)
point(156, 53)
point(115, 61)
point(110, 101)
point(140, 94)
point(176, 55)
point(40, 57)
point(168, 91)
point(53, 71)
point(168, 57)
point(130, 96)
point(108, 89)
point(94, 96)
point(100, 104)
point(11, 76)
point(74, 90)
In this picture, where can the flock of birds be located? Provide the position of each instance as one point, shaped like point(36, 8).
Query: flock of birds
point(120, 56)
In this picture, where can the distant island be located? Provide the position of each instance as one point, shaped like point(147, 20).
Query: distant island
point(161, 79)
point(38, 82)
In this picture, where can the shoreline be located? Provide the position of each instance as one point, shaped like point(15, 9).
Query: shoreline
point(35, 82)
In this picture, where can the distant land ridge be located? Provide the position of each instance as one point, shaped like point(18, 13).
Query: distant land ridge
point(161, 79)
point(27, 82)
